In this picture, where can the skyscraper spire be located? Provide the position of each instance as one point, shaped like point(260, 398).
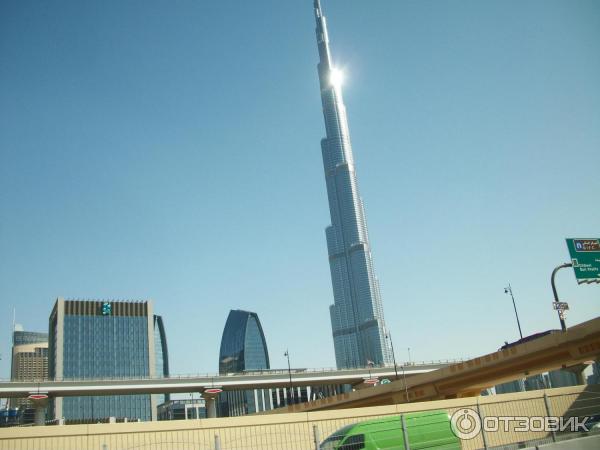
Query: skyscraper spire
point(322, 39)
point(357, 322)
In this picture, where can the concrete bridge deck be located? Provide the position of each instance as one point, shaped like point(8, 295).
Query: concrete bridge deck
point(182, 384)
point(572, 349)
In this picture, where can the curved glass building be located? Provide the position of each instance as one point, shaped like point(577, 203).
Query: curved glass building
point(243, 348)
point(357, 314)
point(161, 356)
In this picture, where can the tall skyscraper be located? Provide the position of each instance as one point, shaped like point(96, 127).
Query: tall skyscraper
point(359, 334)
point(29, 360)
point(243, 348)
point(91, 339)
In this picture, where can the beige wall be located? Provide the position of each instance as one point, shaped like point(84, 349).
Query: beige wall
point(27, 365)
point(291, 431)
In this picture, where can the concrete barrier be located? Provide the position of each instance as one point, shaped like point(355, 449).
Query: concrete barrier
point(584, 443)
point(297, 431)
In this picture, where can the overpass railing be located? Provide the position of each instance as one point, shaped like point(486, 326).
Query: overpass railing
point(411, 364)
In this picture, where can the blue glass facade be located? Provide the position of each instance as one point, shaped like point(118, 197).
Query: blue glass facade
point(29, 337)
point(89, 340)
point(105, 347)
point(243, 344)
point(243, 348)
point(161, 355)
point(357, 314)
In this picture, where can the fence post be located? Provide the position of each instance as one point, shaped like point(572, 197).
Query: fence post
point(217, 442)
point(316, 437)
point(549, 414)
point(481, 417)
point(405, 433)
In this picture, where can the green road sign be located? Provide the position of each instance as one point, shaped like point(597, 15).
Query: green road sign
point(585, 256)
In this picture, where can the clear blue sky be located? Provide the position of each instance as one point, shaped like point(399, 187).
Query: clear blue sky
point(170, 150)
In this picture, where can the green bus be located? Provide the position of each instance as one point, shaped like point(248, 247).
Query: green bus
point(424, 430)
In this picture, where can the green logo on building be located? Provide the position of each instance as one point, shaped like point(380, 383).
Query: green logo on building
point(106, 309)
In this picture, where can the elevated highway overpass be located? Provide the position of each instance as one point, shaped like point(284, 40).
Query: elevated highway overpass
point(181, 384)
point(207, 383)
point(571, 349)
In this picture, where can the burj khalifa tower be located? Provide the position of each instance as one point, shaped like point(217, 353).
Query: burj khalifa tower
point(359, 333)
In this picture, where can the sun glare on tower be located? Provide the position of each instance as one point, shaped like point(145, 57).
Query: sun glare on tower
point(336, 77)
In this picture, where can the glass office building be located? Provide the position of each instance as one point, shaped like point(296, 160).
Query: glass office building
point(21, 337)
point(243, 348)
point(102, 339)
point(359, 334)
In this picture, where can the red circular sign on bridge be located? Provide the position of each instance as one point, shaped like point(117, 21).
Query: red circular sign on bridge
point(213, 391)
point(38, 396)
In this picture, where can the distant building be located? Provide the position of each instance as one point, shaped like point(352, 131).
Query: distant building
point(510, 387)
point(243, 348)
point(29, 360)
point(535, 382)
point(11, 417)
point(562, 378)
point(553, 379)
point(184, 409)
point(92, 339)
point(280, 396)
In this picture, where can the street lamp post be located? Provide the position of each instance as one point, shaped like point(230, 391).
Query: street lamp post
point(508, 290)
point(287, 355)
point(561, 315)
point(389, 336)
point(369, 365)
point(405, 385)
point(409, 363)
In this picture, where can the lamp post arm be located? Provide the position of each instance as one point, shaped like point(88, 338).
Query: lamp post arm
point(563, 326)
point(515, 307)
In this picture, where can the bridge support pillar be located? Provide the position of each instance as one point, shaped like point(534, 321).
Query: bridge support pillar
point(211, 404)
point(40, 411)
